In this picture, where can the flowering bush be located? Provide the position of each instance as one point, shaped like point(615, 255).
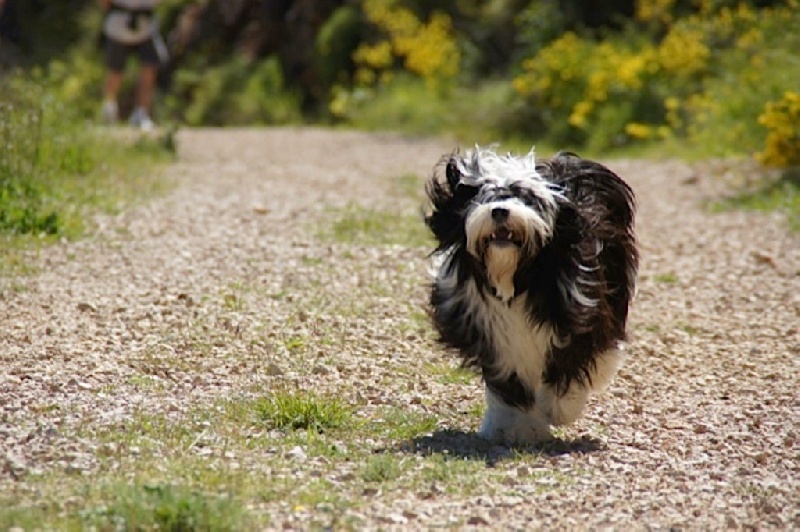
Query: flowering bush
point(705, 78)
point(427, 49)
point(598, 94)
point(782, 119)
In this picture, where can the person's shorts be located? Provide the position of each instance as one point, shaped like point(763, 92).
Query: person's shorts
point(117, 53)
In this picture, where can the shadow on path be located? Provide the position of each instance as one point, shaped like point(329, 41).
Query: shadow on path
point(470, 446)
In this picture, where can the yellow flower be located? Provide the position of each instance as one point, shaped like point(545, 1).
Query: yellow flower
point(782, 120)
point(638, 131)
point(683, 52)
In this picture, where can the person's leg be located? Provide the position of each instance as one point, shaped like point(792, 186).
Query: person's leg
point(113, 85)
point(116, 55)
point(148, 73)
point(147, 84)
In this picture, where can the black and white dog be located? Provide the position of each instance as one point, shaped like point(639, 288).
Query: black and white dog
point(534, 271)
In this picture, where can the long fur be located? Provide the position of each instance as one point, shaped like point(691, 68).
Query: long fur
point(536, 268)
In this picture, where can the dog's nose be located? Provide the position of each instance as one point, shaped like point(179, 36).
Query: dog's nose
point(499, 214)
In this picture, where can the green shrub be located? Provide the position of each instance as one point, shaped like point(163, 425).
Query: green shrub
point(782, 119)
point(705, 79)
point(754, 61)
point(234, 93)
point(29, 154)
point(54, 164)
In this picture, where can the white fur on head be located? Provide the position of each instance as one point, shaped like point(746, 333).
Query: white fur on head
point(511, 185)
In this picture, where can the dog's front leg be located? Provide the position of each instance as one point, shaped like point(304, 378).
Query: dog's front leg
point(563, 409)
point(503, 423)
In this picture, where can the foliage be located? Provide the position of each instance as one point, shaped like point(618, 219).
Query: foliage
point(705, 80)
point(709, 75)
point(42, 143)
point(238, 91)
point(782, 119)
point(427, 49)
point(54, 167)
point(404, 43)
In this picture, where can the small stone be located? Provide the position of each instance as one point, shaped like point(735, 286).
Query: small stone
point(85, 307)
point(320, 370)
point(15, 467)
point(396, 519)
point(274, 370)
point(297, 453)
point(477, 520)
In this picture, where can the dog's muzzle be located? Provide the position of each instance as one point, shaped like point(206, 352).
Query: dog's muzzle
point(502, 233)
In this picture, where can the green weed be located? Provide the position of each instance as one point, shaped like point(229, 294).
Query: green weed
point(665, 278)
point(448, 374)
point(301, 411)
point(381, 468)
point(401, 424)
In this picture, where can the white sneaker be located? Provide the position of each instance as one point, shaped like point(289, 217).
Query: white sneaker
point(110, 112)
point(140, 119)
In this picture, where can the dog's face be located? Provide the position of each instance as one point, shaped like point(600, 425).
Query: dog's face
point(506, 209)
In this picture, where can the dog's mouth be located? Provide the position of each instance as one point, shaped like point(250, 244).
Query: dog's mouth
point(503, 236)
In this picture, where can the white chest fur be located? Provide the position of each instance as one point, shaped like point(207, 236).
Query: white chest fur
point(521, 346)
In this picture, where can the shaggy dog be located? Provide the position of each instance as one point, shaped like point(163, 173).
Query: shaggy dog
point(534, 270)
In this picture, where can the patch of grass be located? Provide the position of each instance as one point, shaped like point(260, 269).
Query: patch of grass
point(147, 383)
point(401, 424)
point(154, 434)
point(382, 468)
point(120, 506)
point(448, 374)
point(294, 344)
point(55, 170)
point(301, 411)
point(689, 329)
point(446, 469)
point(665, 278)
point(363, 226)
point(477, 410)
point(165, 507)
point(410, 186)
point(782, 194)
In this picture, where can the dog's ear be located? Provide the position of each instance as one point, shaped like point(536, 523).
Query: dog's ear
point(453, 173)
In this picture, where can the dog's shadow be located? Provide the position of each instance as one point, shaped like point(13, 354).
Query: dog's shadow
point(468, 445)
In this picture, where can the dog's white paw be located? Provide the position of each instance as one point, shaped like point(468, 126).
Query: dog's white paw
point(510, 425)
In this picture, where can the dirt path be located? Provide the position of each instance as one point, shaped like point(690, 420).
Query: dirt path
point(234, 284)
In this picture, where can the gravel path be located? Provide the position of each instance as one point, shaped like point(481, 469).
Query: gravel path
point(201, 293)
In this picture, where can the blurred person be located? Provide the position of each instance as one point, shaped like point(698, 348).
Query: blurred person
point(131, 28)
